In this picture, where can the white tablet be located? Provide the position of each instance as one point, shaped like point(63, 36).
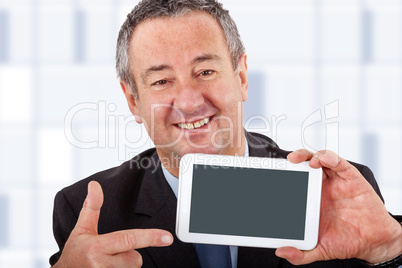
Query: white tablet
point(248, 201)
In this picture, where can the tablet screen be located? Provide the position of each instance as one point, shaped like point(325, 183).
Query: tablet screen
point(248, 202)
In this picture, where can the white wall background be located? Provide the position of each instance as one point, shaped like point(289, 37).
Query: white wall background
point(303, 56)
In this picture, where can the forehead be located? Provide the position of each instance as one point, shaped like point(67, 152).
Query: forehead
point(166, 40)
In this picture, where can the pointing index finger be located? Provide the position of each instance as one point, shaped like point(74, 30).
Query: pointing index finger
point(126, 240)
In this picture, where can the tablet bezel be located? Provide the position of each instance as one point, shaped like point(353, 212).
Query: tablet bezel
point(184, 201)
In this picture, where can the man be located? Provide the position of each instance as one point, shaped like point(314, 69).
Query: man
point(183, 71)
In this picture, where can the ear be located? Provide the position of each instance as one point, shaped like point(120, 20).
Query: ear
point(131, 101)
point(242, 69)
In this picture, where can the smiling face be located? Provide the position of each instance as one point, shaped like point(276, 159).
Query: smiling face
point(189, 96)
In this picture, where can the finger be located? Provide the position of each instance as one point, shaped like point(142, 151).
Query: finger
point(122, 241)
point(89, 215)
point(328, 158)
point(300, 156)
point(298, 257)
point(340, 166)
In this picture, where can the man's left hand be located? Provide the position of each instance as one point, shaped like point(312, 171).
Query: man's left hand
point(354, 222)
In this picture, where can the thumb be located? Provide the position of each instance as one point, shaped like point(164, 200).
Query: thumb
point(87, 222)
point(298, 257)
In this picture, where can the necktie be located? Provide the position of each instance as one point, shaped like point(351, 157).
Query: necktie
point(213, 256)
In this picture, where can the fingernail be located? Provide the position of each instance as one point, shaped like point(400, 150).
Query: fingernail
point(293, 154)
point(167, 239)
point(300, 151)
point(278, 252)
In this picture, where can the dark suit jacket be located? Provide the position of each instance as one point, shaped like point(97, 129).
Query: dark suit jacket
point(136, 195)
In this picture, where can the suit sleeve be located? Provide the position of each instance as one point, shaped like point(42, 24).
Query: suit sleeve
point(64, 220)
point(369, 176)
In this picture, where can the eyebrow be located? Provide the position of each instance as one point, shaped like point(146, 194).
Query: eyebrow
point(207, 57)
point(153, 69)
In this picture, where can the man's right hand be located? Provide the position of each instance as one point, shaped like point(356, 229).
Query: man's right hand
point(86, 248)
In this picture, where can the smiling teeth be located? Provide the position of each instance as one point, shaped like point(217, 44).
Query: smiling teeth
point(195, 125)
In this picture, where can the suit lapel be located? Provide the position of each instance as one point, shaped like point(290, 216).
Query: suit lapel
point(261, 146)
point(157, 201)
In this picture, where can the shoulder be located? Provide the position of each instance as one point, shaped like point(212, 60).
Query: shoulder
point(263, 139)
point(263, 146)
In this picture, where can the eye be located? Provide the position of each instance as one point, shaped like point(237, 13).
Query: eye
point(206, 72)
point(159, 83)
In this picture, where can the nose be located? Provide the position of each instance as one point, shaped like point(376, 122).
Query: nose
point(188, 98)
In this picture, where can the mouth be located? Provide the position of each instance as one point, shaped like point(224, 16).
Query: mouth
point(194, 125)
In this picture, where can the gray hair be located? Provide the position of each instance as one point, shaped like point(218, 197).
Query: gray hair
point(147, 9)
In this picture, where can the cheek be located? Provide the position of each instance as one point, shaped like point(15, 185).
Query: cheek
point(227, 97)
point(151, 108)
point(159, 117)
